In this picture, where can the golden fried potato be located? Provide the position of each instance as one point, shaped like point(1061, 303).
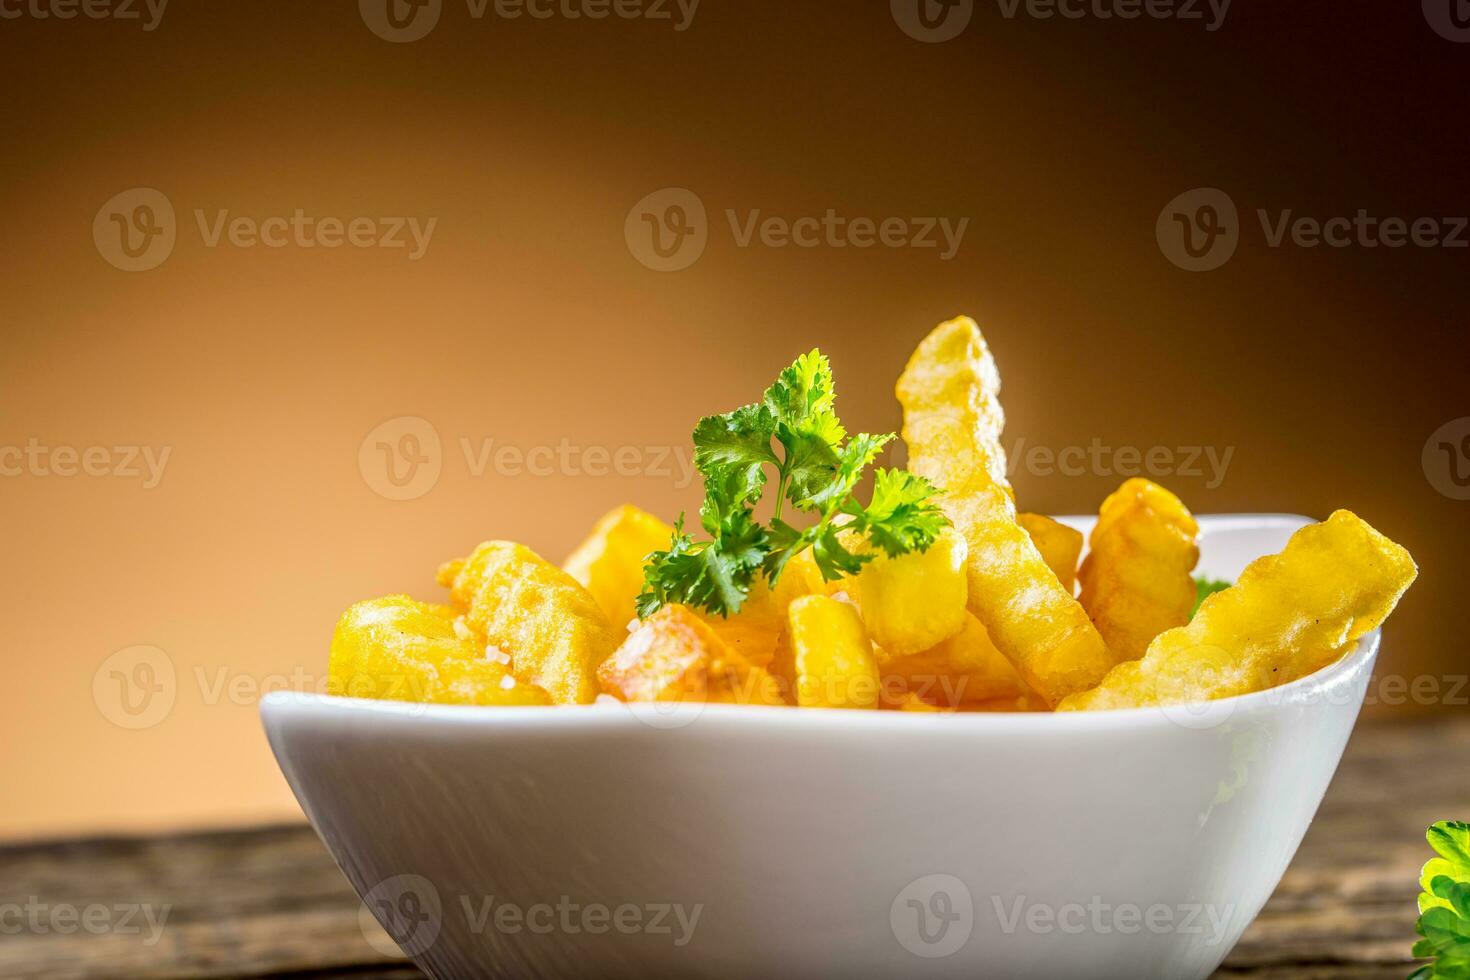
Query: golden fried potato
point(753, 631)
point(1333, 582)
point(1136, 579)
point(674, 655)
point(963, 669)
point(801, 576)
point(1059, 545)
point(952, 424)
point(1025, 702)
point(910, 701)
point(914, 601)
point(553, 629)
point(396, 649)
point(825, 656)
point(609, 564)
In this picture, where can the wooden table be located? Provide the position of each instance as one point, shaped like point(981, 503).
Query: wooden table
point(270, 902)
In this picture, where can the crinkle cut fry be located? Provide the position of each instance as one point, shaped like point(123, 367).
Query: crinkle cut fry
point(952, 424)
point(1136, 580)
point(1332, 583)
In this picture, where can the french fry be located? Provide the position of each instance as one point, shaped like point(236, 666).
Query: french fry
point(1059, 546)
point(1285, 616)
point(910, 701)
point(952, 424)
point(609, 563)
point(398, 649)
point(917, 600)
point(825, 656)
point(1135, 580)
point(753, 631)
point(964, 669)
point(674, 655)
point(553, 629)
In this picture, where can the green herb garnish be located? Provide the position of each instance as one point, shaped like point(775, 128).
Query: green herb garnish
point(1204, 587)
point(1444, 906)
point(794, 432)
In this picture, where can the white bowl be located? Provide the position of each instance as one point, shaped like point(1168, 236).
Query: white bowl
point(731, 841)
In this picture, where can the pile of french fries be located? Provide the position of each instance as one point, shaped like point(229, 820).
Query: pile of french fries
point(996, 615)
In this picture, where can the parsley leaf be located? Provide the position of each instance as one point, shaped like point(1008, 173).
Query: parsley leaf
point(1445, 905)
point(794, 430)
point(714, 574)
point(900, 518)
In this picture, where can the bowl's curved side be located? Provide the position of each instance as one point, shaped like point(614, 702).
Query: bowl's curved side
point(510, 843)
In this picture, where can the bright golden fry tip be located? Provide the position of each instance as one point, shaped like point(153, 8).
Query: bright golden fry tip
point(609, 563)
point(397, 649)
point(1136, 581)
point(825, 656)
point(1059, 545)
point(674, 655)
point(952, 423)
point(914, 601)
point(553, 629)
point(1284, 616)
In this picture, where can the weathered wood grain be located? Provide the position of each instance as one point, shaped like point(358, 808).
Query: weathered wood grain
point(269, 903)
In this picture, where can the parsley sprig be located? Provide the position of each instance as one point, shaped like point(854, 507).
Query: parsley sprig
point(793, 432)
point(1444, 906)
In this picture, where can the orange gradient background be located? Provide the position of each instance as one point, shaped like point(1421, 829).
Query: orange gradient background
point(528, 321)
